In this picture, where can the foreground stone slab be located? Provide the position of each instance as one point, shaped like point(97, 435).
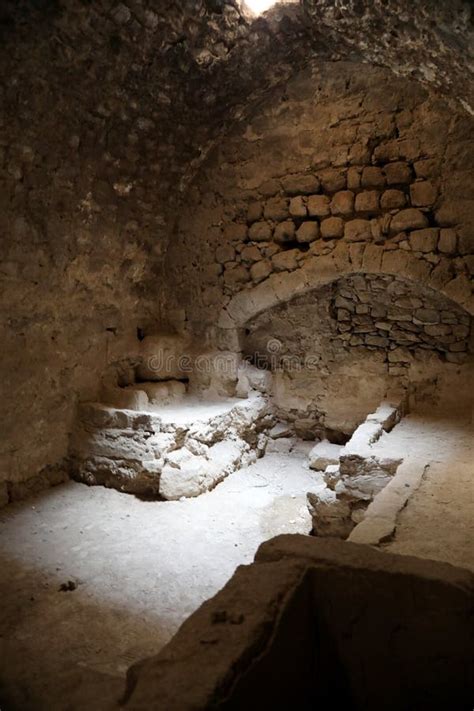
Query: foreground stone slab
point(314, 623)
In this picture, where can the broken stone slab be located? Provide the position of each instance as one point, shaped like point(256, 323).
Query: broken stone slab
point(268, 606)
point(323, 454)
point(125, 398)
point(355, 465)
point(380, 520)
point(386, 415)
point(114, 444)
point(332, 475)
point(364, 436)
point(330, 514)
point(187, 474)
point(130, 476)
point(186, 480)
point(281, 429)
point(94, 415)
point(363, 486)
point(283, 445)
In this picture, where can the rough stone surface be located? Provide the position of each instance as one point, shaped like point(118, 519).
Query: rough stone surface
point(93, 259)
point(324, 454)
point(358, 474)
point(322, 346)
point(183, 451)
point(268, 606)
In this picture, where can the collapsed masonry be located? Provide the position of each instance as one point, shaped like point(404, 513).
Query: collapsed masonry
point(181, 452)
point(353, 473)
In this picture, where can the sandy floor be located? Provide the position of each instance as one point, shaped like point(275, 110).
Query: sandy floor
point(142, 567)
point(438, 520)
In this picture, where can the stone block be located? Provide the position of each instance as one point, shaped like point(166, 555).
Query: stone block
point(300, 184)
point(409, 219)
point(331, 516)
point(235, 232)
point(324, 454)
point(424, 240)
point(225, 253)
point(333, 179)
point(236, 275)
point(281, 429)
point(186, 479)
point(319, 206)
point(251, 254)
point(367, 201)
point(353, 178)
point(260, 232)
point(423, 194)
point(357, 231)
point(284, 232)
point(297, 207)
point(392, 200)
point(459, 289)
point(254, 211)
point(251, 378)
point(287, 260)
point(269, 188)
point(332, 228)
point(398, 173)
point(260, 270)
point(447, 241)
point(276, 209)
point(307, 232)
point(342, 203)
point(426, 316)
point(372, 177)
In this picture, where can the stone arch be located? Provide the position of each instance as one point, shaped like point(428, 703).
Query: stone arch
point(343, 261)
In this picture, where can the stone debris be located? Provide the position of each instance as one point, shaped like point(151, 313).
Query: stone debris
point(168, 456)
point(281, 429)
point(324, 454)
point(352, 474)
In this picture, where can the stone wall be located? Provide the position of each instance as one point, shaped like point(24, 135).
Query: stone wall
point(93, 163)
point(336, 351)
point(349, 170)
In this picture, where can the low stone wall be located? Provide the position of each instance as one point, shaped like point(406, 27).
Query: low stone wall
point(182, 454)
point(336, 350)
point(353, 474)
point(319, 624)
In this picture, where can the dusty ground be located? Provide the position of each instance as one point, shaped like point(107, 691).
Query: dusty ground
point(438, 520)
point(142, 567)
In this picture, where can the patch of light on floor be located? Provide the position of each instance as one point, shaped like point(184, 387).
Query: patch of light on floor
point(257, 7)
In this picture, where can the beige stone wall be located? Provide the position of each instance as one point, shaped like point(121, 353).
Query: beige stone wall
point(348, 171)
point(336, 351)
